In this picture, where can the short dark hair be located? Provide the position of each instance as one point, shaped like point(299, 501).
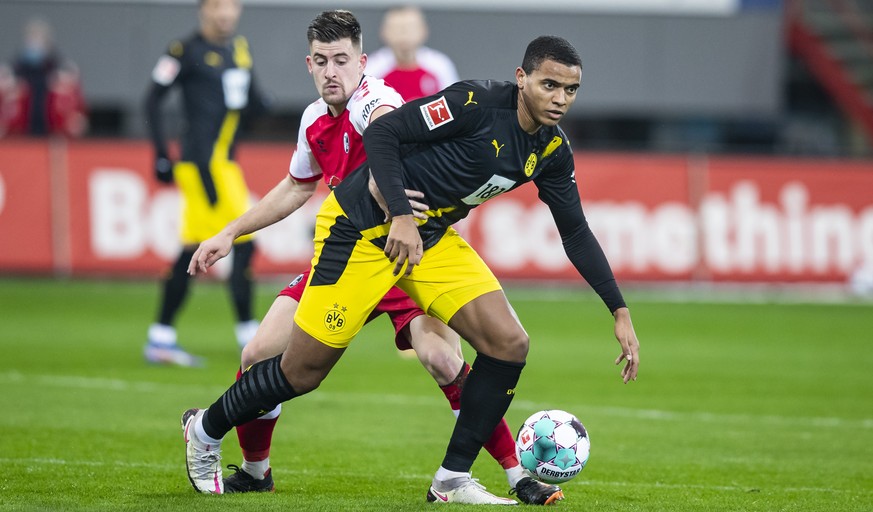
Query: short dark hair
point(549, 48)
point(330, 26)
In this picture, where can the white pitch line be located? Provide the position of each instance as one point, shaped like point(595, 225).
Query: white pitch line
point(121, 385)
point(45, 462)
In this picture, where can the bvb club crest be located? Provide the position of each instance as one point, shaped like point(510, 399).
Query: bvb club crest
point(530, 165)
point(334, 319)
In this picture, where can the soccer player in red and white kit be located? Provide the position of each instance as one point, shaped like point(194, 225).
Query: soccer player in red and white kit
point(330, 146)
point(409, 66)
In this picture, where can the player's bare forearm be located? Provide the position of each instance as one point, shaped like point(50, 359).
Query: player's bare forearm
point(630, 345)
point(280, 202)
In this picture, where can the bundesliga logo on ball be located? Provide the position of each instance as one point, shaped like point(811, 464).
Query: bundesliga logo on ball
point(553, 446)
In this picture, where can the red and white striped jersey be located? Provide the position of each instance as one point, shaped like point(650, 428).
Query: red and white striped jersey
point(330, 147)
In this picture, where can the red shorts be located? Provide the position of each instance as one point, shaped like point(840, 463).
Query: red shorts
point(399, 307)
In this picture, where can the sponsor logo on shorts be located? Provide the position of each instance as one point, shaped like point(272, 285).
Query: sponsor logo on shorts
point(295, 281)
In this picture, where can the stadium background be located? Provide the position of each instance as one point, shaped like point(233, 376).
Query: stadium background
point(722, 147)
point(701, 136)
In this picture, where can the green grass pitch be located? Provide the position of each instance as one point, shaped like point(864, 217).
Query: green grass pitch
point(739, 407)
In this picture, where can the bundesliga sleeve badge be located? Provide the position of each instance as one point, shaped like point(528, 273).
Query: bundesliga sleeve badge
point(166, 70)
point(436, 113)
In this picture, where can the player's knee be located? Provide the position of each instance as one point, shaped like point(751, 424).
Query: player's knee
point(518, 345)
point(509, 346)
point(440, 360)
point(252, 353)
point(303, 384)
point(304, 378)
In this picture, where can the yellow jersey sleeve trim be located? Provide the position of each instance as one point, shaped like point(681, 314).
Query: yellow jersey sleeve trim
point(241, 56)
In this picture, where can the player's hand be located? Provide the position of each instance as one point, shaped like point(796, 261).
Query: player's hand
point(418, 208)
point(404, 244)
point(164, 169)
point(209, 252)
point(630, 346)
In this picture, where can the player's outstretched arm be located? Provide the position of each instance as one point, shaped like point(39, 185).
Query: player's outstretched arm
point(630, 346)
point(285, 198)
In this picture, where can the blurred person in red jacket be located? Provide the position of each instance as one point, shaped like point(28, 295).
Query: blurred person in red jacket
point(411, 68)
point(11, 107)
point(47, 91)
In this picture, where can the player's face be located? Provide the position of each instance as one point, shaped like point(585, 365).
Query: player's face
point(219, 18)
point(337, 68)
point(548, 91)
point(404, 30)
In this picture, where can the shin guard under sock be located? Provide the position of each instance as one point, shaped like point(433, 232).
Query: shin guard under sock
point(256, 436)
point(260, 389)
point(501, 444)
point(487, 394)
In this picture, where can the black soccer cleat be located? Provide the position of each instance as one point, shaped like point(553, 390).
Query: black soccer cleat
point(534, 492)
point(240, 481)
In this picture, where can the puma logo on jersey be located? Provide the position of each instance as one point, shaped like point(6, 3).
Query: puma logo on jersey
point(498, 148)
point(470, 99)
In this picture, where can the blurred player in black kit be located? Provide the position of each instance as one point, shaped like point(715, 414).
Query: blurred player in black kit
point(461, 147)
point(213, 68)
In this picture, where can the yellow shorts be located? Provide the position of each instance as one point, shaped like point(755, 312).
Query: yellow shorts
point(350, 275)
point(201, 220)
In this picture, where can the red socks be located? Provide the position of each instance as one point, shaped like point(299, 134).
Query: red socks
point(256, 436)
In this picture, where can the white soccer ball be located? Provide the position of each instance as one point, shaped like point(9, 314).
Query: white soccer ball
point(553, 446)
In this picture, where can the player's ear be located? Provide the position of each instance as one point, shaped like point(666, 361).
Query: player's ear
point(363, 61)
point(520, 75)
point(309, 63)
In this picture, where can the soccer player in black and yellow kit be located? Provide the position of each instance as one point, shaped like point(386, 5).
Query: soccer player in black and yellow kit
point(460, 148)
point(213, 69)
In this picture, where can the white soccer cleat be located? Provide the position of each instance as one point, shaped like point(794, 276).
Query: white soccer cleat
point(172, 355)
point(203, 461)
point(245, 332)
point(464, 490)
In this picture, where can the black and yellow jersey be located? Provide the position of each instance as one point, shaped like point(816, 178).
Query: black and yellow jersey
point(217, 85)
point(462, 147)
